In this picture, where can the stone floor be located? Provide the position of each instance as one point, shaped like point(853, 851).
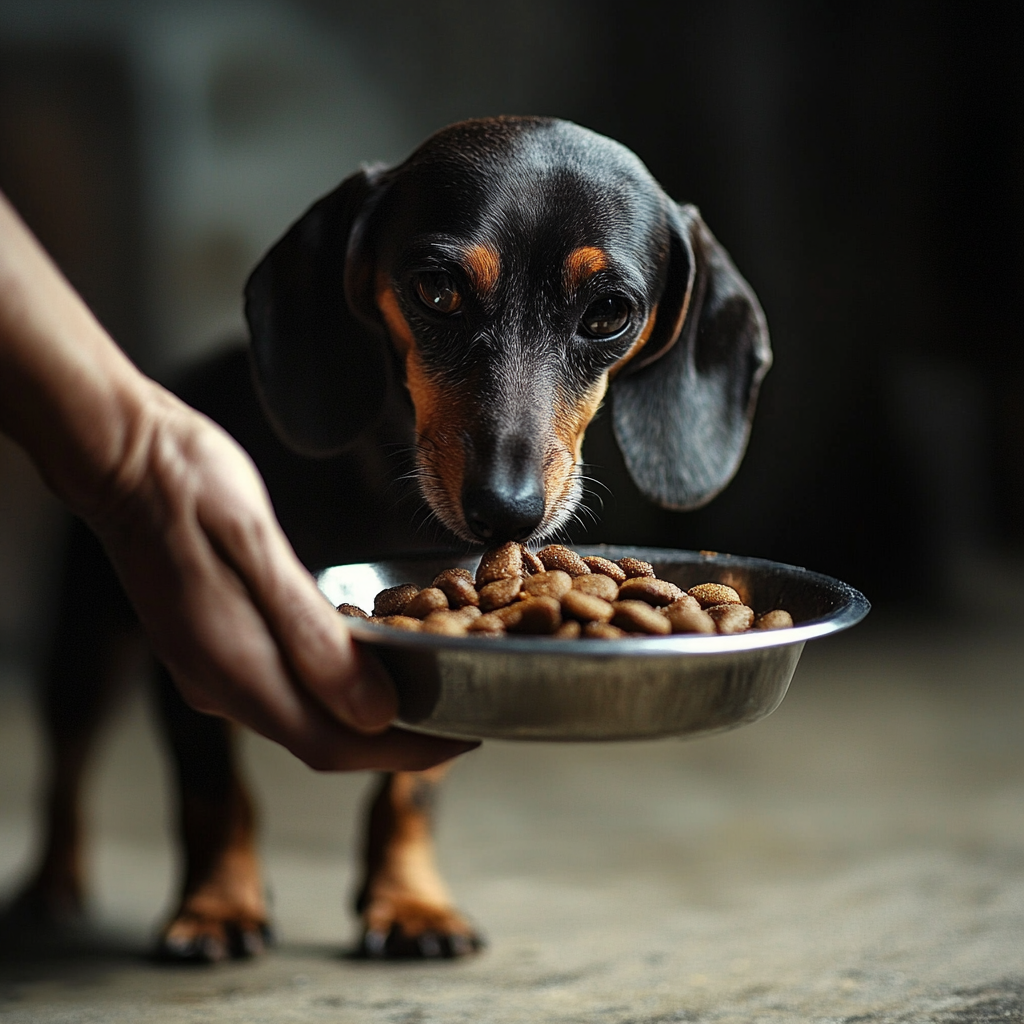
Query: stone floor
point(859, 856)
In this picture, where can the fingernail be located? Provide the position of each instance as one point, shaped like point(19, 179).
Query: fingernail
point(372, 700)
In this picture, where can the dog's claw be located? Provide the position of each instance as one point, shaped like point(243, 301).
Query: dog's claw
point(430, 945)
point(199, 949)
point(210, 942)
point(375, 944)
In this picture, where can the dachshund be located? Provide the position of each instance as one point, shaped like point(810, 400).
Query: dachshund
point(442, 331)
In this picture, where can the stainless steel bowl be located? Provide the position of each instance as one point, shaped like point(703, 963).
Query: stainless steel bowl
point(536, 688)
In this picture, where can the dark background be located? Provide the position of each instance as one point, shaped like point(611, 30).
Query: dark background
point(862, 162)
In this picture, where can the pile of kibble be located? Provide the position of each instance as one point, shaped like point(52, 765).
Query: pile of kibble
point(559, 593)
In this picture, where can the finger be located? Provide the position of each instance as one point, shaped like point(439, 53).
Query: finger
point(311, 635)
point(316, 737)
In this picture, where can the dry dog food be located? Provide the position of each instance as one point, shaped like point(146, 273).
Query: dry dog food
point(558, 593)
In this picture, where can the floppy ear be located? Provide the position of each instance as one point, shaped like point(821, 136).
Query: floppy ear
point(682, 413)
point(319, 356)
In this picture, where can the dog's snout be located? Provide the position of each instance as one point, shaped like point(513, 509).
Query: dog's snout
point(495, 514)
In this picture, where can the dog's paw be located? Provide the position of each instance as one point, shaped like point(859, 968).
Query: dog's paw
point(47, 904)
point(408, 929)
point(194, 938)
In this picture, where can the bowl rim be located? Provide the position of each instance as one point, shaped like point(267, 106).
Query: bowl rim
point(851, 607)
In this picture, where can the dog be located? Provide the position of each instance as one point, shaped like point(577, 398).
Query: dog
point(442, 331)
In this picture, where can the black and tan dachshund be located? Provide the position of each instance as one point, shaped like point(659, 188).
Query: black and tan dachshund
point(442, 330)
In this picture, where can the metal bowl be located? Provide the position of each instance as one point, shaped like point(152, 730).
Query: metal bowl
point(537, 688)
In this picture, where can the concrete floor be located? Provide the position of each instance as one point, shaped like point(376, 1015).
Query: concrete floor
point(859, 856)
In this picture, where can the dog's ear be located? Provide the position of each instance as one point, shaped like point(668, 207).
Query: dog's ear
point(318, 353)
point(682, 410)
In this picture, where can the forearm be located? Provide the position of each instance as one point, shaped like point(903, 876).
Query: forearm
point(68, 395)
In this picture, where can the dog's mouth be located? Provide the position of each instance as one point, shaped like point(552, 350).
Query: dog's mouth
point(483, 508)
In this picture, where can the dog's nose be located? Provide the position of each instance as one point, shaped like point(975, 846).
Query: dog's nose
point(496, 516)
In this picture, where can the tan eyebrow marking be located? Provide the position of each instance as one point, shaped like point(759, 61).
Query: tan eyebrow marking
point(483, 265)
point(581, 263)
point(398, 327)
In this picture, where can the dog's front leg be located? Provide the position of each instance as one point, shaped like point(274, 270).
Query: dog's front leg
point(405, 905)
point(222, 912)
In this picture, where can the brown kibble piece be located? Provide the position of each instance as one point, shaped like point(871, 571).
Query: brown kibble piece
point(710, 594)
point(570, 630)
point(585, 607)
point(731, 618)
point(398, 622)
point(531, 563)
point(428, 600)
point(653, 591)
point(500, 563)
point(689, 618)
point(683, 601)
point(634, 567)
point(548, 583)
point(393, 600)
point(446, 623)
point(558, 556)
point(602, 631)
point(538, 615)
point(469, 612)
point(597, 585)
point(457, 573)
point(639, 617)
point(457, 586)
point(488, 625)
point(510, 614)
point(353, 611)
point(499, 593)
point(779, 618)
point(604, 566)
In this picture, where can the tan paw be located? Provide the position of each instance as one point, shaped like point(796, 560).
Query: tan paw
point(207, 938)
point(405, 928)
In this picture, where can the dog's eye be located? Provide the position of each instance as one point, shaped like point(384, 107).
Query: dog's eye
point(437, 291)
point(605, 317)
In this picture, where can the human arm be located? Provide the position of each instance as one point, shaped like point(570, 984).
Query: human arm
point(186, 521)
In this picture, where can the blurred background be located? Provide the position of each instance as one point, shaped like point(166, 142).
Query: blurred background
point(862, 162)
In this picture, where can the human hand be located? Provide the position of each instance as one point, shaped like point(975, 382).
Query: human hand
point(229, 609)
point(187, 522)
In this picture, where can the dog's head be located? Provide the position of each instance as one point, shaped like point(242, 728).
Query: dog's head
point(518, 267)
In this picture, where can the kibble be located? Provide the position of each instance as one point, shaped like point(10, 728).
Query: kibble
point(653, 591)
point(689, 618)
point(428, 600)
point(393, 600)
point(603, 631)
point(639, 617)
point(457, 586)
point(634, 567)
point(710, 594)
point(558, 556)
point(731, 618)
point(352, 611)
point(560, 594)
point(446, 623)
point(597, 585)
point(499, 593)
point(778, 618)
point(531, 563)
point(500, 563)
point(605, 567)
point(538, 615)
point(398, 622)
point(585, 607)
point(549, 583)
